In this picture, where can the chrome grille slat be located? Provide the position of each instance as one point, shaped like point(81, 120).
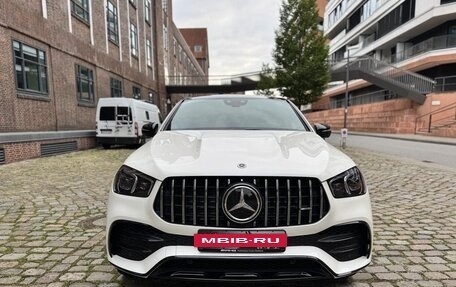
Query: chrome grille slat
point(277, 202)
point(266, 197)
point(172, 201)
point(321, 202)
point(205, 202)
point(300, 201)
point(197, 201)
point(289, 202)
point(194, 201)
point(161, 201)
point(310, 201)
point(183, 201)
point(217, 198)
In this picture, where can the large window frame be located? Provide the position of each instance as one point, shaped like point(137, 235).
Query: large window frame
point(24, 60)
point(80, 9)
point(134, 40)
point(136, 92)
point(112, 19)
point(149, 52)
point(116, 88)
point(147, 10)
point(85, 79)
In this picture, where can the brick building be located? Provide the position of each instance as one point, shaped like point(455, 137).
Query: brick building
point(197, 40)
point(402, 66)
point(58, 57)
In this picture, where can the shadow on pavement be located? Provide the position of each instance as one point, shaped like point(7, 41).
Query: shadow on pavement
point(138, 282)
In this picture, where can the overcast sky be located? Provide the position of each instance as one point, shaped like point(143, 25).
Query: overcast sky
point(241, 32)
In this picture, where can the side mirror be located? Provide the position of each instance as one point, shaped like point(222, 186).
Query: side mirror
point(149, 130)
point(322, 130)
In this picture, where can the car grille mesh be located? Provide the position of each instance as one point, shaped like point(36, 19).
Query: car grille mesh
point(198, 201)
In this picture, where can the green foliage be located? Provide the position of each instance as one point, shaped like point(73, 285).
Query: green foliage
point(301, 52)
point(267, 81)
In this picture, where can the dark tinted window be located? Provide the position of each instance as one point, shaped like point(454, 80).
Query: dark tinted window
point(124, 113)
point(236, 114)
point(107, 113)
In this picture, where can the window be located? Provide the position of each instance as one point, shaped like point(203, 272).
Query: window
point(198, 49)
point(136, 92)
point(133, 2)
point(108, 114)
point(134, 40)
point(235, 114)
point(84, 84)
point(80, 9)
point(30, 67)
point(149, 52)
point(147, 11)
point(112, 18)
point(116, 88)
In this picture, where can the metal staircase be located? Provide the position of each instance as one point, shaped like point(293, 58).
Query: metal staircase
point(405, 83)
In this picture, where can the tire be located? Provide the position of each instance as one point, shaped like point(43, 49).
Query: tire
point(106, 146)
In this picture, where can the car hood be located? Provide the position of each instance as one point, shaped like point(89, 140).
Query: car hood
point(239, 153)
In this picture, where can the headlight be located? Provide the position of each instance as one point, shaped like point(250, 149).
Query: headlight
point(131, 182)
point(347, 184)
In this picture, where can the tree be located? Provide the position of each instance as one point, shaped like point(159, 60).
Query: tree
point(300, 53)
point(267, 81)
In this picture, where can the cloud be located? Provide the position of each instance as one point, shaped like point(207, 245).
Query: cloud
point(241, 32)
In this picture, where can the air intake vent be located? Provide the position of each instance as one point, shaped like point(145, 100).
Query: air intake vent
point(2, 156)
point(58, 148)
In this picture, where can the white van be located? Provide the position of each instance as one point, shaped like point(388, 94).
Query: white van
point(120, 120)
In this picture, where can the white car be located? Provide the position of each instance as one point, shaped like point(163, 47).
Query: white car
point(237, 187)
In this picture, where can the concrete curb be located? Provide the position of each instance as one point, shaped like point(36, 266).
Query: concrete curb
point(406, 137)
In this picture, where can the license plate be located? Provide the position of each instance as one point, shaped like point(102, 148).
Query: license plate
point(240, 241)
point(106, 131)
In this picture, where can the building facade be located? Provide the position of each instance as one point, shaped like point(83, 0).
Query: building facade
point(60, 56)
point(412, 37)
point(196, 38)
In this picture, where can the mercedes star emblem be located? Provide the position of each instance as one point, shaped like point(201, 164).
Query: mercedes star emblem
point(242, 203)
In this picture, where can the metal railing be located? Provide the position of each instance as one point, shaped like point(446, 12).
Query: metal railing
point(405, 78)
point(431, 44)
point(374, 97)
point(188, 80)
point(430, 120)
point(444, 84)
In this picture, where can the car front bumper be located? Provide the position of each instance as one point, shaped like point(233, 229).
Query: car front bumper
point(166, 250)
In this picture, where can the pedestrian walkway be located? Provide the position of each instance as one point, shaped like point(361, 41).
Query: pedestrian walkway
point(409, 137)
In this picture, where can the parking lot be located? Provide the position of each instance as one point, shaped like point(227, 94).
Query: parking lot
point(52, 222)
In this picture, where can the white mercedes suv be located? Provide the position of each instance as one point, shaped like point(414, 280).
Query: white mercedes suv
point(237, 187)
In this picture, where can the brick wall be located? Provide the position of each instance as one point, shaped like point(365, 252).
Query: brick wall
point(395, 116)
point(28, 150)
point(60, 110)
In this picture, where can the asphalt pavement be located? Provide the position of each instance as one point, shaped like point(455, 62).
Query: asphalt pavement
point(426, 150)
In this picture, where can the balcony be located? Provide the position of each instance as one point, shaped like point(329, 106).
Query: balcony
point(431, 44)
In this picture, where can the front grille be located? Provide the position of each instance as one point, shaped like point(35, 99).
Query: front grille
point(198, 201)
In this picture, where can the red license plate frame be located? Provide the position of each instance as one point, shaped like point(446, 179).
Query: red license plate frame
point(241, 241)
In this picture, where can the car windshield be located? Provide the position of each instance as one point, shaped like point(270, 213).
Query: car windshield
point(236, 114)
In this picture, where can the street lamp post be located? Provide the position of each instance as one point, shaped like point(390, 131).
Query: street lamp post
point(347, 77)
point(344, 131)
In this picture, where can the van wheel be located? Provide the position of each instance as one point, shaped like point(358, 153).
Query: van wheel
point(106, 146)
